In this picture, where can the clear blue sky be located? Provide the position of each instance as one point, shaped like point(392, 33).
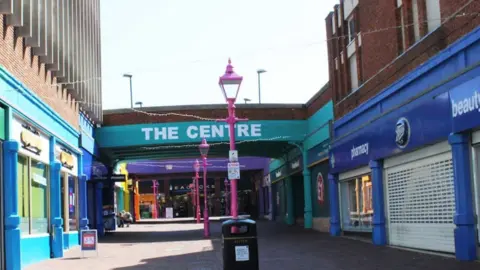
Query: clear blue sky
point(177, 49)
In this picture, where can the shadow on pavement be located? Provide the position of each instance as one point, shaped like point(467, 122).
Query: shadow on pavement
point(293, 248)
point(132, 237)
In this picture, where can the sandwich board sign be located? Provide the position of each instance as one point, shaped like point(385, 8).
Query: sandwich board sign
point(88, 241)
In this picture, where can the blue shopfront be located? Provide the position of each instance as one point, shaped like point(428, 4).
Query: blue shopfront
point(404, 165)
point(40, 177)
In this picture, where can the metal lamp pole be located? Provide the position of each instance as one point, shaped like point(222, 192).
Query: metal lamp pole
point(204, 147)
point(155, 201)
point(129, 76)
point(196, 166)
point(227, 212)
point(230, 84)
point(260, 71)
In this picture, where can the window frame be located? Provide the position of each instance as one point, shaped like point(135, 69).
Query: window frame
point(66, 202)
point(29, 195)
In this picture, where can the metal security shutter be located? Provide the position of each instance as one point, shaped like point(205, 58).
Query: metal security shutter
point(420, 199)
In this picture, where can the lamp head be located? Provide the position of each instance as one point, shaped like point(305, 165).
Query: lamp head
point(230, 83)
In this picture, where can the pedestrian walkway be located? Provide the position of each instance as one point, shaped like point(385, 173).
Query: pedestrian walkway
point(181, 246)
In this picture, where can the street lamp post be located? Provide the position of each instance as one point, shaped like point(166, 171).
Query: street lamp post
point(230, 84)
point(129, 76)
point(227, 212)
point(259, 71)
point(196, 166)
point(204, 147)
point(155, 201)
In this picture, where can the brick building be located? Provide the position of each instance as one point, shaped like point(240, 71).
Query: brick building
point(50, 98)
point(405, 158)
point(373, 43)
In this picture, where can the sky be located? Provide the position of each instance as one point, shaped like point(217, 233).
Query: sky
point(176, 50)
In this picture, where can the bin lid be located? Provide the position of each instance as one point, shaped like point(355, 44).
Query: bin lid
point(238, 221)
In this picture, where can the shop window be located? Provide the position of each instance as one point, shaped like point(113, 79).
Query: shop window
point(357, 207)
point(69, 187)
point(33, 195)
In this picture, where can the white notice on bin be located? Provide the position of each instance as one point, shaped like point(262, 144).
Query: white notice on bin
point(241, 253)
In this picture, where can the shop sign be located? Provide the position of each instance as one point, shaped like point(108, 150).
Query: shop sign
point(318, 152)
point(186, 187)
point(465, 102)
point(67, 159)
point(192, 132)
point(295, 165)
point(423, 121)
point(32, 142)
point(278, 173)
point(88, 240)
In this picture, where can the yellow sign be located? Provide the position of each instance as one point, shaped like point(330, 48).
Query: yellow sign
point(66, 159)
point(31, 142)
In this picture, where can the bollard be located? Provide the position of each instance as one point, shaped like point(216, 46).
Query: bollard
point(240, 248)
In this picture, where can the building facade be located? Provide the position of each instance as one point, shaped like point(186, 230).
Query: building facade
point(403, 164)
point(43, 59)
point(296, 180)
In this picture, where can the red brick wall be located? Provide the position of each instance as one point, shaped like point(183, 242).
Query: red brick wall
point(17, 59)
point(317, 103)
point(132, 117)
point(379, 49)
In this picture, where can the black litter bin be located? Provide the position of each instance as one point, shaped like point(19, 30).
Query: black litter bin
point(240, 248)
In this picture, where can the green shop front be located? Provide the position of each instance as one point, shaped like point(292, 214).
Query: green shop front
point(318, 166)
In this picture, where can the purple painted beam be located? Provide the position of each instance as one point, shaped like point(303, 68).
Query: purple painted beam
point(186, 165)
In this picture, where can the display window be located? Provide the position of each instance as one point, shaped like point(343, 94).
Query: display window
point(33, 195)
point(69, 200)
point(357, 204)
point(476, 181)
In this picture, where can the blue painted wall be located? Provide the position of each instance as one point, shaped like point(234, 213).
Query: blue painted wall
point(70, 239)
point(22, 251)
point(35, 249)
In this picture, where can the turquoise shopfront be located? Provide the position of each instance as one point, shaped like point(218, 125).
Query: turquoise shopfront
point(40, 177)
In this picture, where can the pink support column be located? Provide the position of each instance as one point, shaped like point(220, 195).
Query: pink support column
point(155, 201)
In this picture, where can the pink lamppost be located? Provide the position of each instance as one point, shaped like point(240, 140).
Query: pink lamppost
point(155, 201)
point(196, 166)
point(227, 212)
point(204, 147)
point(230, 84)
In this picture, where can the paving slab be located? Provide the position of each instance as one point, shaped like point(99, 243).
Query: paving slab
point(182, 246)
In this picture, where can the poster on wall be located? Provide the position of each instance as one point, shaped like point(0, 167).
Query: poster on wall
point(320, 188)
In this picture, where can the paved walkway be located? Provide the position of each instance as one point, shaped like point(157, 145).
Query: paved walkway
point(181, 246)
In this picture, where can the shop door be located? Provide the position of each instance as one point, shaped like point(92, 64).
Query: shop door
point(420, 199)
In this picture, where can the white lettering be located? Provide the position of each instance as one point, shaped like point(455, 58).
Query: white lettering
point(204, 131)
point(466, 105)
point(217, 131)
point(359, 150)
point(160, 132)
point(296, 164)
point(256, 130)
point(147, 132)
point(192, 132)
point(242, 130)
point(173, 133)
